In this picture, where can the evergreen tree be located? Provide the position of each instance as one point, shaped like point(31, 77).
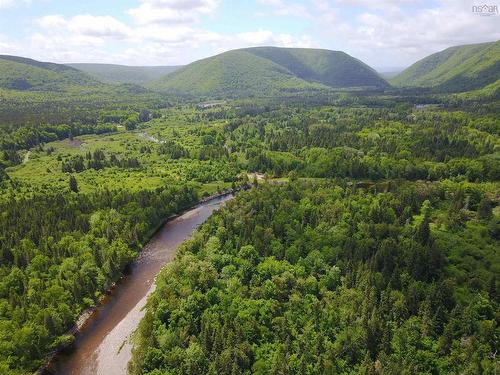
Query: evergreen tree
point(424, 231)
point(484, 210)
point(73, 184)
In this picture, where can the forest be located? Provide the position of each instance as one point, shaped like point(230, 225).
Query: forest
point(369, 246)
point(60, 253)
point(327, 278)
point(268, 187)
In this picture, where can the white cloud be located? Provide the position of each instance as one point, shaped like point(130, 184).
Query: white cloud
point(65, 48)
point(267, 37)
point(6, 47)
point(100, 26)
point(174, 35)
point(400, 37)
point(54, 21)
point(6, 3)
point(85, 25)
point(149, 39)
point(166, 34)
point(171, 11)
point(256, 37)
point(79, 38)
point(385, 32)
point(376, 4)
point(12, 3)
point(286, 8)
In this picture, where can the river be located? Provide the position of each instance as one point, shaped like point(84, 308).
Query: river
point(103, 346)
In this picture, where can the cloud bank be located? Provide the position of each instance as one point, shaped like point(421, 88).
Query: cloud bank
point(162, 32)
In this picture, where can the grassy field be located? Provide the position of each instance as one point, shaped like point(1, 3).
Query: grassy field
point(44, 169)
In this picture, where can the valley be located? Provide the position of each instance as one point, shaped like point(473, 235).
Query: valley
point(363, 237)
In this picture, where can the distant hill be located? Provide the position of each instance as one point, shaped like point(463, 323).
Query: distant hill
point(268, 70)
point(490, 92)
point(19, 73)
point(455, 69)
point(116, 74)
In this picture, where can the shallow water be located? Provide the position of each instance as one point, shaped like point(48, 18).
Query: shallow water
point(103, 346)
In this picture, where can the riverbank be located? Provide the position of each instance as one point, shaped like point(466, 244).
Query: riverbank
point(89, 315)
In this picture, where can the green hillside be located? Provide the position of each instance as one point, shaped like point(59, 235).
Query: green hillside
point(269, 70)
point(19, 73)
point(331, 68)
point(116, 74)
point(455, 69)
point(490, 92)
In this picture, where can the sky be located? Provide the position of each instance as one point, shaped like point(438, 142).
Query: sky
point(385, 34)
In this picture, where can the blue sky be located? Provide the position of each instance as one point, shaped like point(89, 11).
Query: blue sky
point(382, 33)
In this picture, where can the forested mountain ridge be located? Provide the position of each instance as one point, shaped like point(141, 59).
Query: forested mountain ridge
point(331, 68)
point(234, 73)
point(116, 74)
point(455, 69)
point(266, 70)
point(34, 92)
point(23, 74)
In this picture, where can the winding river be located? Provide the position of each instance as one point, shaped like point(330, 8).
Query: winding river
point(103, 347)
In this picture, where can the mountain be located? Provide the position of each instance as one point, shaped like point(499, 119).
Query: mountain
point(19, 73)
point(268, 70)
point(116, 74)
point(490, 92)
point(455, 69)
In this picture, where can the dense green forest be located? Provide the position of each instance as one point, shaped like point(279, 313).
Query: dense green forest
point(60, 252)
point(77, 104)
point(368, 242)
point(370, 143)
point(326, 278)
point(395, 142)
point(360, 175)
